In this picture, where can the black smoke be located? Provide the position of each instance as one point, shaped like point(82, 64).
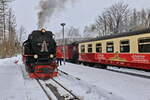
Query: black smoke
point(47, 9)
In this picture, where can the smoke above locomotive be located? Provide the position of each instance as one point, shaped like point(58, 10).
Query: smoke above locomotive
point(48, 8)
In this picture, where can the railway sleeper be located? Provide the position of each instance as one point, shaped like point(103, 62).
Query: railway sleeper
point(58, 95)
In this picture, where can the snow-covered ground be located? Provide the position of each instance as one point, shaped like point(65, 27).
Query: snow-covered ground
point(85, 90)
point(14, 85)
point(125, 86)
point(95, 84)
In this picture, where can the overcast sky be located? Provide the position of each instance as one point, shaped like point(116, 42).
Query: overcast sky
point(79, 14)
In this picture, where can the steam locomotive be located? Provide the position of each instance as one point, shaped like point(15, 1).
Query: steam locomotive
point(39, 52)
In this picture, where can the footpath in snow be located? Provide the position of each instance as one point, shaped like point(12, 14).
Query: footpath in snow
point(14, 85)
point(125, 86)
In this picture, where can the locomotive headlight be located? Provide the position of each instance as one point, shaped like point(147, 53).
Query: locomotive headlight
point(35, 56)
point(51, 56)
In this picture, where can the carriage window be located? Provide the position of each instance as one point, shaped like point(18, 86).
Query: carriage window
point(89, 47)
point(124, 46)
point(144, 45)
point(82, 48)
point(110, 47)
point(98, 47)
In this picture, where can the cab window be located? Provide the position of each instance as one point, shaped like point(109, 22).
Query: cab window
point(124, 46)
point(110, 47)
point(144, 45)
point(99, 48)
point(89, 48)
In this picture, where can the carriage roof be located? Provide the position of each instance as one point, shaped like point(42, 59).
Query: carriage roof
point(117, 35)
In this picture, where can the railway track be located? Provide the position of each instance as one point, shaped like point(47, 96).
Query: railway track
point(127, 73)
point(123, 72)
point(53, 88)
point(117, 71)
point(130, 73)
point(70, 95)
point(68, 74)
point(47, 94)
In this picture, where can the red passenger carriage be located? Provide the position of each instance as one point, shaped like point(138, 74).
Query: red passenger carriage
point(129, 49)
point(71, 52)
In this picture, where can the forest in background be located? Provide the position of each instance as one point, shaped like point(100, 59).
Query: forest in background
point(118, 18)
point(9, 42)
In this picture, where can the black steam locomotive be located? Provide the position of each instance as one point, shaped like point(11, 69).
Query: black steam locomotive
point(39, 53)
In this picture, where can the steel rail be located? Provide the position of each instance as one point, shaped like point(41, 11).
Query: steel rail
point(44, 90)
point(75, 97)
point(130, 73)
point(69, 74)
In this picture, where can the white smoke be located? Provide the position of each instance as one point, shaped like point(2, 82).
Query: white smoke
point(47, 9)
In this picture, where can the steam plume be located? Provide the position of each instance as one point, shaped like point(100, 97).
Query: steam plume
point(48, 7)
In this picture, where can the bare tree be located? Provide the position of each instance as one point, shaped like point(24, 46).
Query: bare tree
point(148, 19)
point(22, 34)
point(11, 33)
point(139, 19)
point(114, 19)
point(143, 18)
point(90, 31)
point(7, 29)
point(3, 15)
point(133, 19)
point(119, 13)
point(73, 32)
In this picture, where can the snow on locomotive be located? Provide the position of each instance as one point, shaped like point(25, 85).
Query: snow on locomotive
point(39, 53)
